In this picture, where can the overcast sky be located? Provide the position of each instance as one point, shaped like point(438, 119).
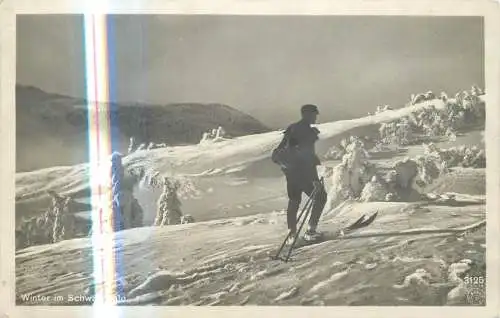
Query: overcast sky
point(266, 66)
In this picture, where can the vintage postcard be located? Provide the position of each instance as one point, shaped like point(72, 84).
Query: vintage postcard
point(174, 159)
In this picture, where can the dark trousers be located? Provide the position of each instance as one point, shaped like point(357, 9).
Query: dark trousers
point(298, 183)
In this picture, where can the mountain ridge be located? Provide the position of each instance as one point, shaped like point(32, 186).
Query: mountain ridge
point(48, 123)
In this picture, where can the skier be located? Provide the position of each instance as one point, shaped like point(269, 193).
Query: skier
point(298, 160)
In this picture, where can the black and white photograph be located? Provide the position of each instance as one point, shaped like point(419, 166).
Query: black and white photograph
point(250, 160)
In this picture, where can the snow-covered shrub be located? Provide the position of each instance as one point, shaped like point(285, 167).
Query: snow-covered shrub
point(168, 206)
point(187, 219)
point(464, 110)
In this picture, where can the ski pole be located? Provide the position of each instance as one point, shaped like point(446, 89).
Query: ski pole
point(313, 198)
point(298, 232)
point(310, 202)
point(304, 208)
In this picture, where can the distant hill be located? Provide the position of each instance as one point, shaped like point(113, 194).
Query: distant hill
point(51, 129)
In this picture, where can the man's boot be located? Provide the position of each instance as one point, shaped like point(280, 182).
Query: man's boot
point(312, 235)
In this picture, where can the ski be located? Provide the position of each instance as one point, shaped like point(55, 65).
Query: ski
point(360, 223)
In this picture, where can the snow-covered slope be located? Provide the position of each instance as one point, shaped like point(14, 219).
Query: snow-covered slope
point(408, 256)
point(227, 262)
point(193, 159)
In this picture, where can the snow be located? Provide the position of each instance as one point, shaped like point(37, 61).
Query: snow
point(226, 261)
point(236, 151)
point(420, 277)
point(327, 283)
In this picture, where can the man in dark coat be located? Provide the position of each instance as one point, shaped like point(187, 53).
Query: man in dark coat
point(299, 163)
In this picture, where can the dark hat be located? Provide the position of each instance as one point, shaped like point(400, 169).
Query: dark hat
point(309, 108)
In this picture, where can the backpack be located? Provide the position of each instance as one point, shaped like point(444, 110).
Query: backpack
point(282, 155)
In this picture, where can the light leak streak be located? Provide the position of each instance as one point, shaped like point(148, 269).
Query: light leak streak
point(96, 64)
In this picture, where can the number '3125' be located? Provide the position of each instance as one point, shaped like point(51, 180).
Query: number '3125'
point(474, 280)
